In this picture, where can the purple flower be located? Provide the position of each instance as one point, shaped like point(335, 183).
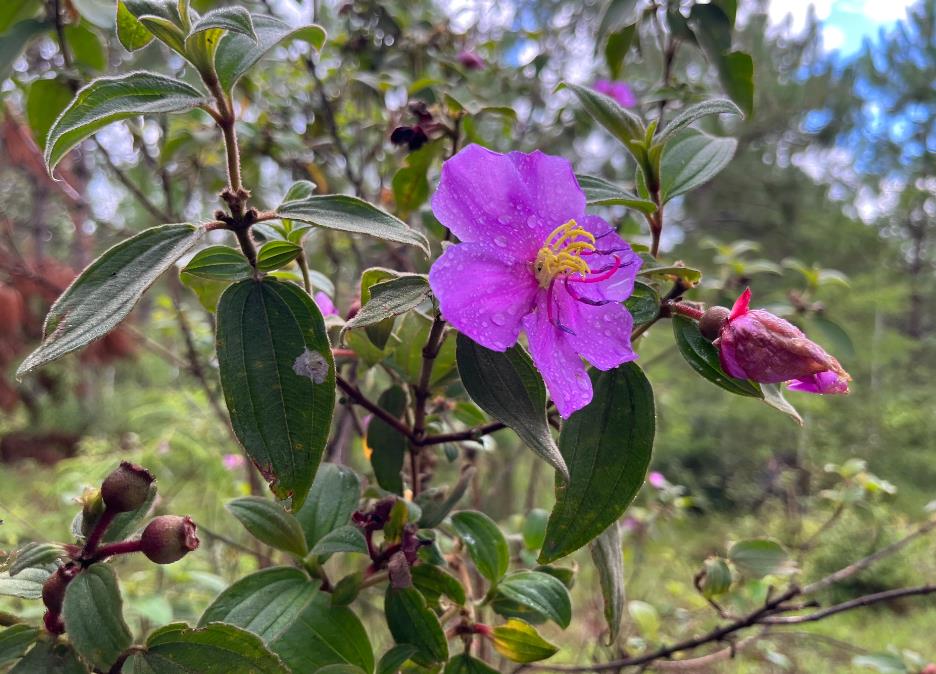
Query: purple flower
point(471, 60)
point(325, 304)
point(656, 479)
point(755, 344)
point(619, 91)
point(531, 259)
point(233, 461)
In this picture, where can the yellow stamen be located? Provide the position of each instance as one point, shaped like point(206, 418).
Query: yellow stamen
point(561, 253)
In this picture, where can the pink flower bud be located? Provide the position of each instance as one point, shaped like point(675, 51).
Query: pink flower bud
point(471, 60)
point(126, 488)
point(656, 479)
point(168, 539)
point(755, 344)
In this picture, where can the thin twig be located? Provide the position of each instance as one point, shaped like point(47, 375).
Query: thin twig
point(858, 602)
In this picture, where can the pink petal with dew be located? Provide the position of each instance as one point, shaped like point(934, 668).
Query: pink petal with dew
point(822, 383)
point(563, 370)
point(482, 295)
point(600, 334)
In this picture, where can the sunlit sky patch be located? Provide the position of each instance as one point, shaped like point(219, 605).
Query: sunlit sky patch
point(845, 23)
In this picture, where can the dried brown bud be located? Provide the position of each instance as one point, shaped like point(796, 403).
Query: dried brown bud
point(712, 321)
point(168, 539)
point(127, 488)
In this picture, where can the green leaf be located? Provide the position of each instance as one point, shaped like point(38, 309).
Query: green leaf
point(645, 617)
point(485, 542)
point(234, 19)
point(377, 333)
point(608, 555)
point(507, 386)
point(715, 106)
point(412, 332)
point(14, 41)
point(692, 276)
point(44, 103)
point(294, 619)
point(238, 53)
point(712, 28)
point(600, 192)
point(86, 46)
point(333, 497)
point(350, 214)
point(760, 557)
point(617, 12)
point(100, 13)
point(269, 523)
point(391, 298)
point(13, 11)
point(220, 263)
point(132, 34)
point(167, 31)
point(607, 447)
point(93, 615)
point(213, 649)
point(540, 592)
point(616, 48)
point(106, 291)
point(275, 254)
point(110, 99)
point(278, 377)
point(412, 622)
point(34, 554)
point(534, 529)
point(465, 664)
point(50, 657)
point(702, 357)
point(14, 641)
point(643, 303)
point(433, 582)
point(835, 336)
point(27, 584)
point(736, 72)
point(393, 660)
point(207, 290)
point(343, 539)
point(773, 396)
point(883, 663)
point(388, 446)
point(520, 642)
point(410, 188)
point(692, 159)
point(623, 124)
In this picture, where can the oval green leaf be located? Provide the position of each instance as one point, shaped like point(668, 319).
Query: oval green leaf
point(110, 99)
point(93, 615)
point(269, 523)
point(541, 593)
point(507, 386)
point(333, 497)
point(106, 291)
point(600, 192)
point(388, 446)
point(14, 641)
point(350, 214)
point(520, 642)
point(412, 622)
point(391, 298)
point(275, 254)
point(219, 263)
point(692, 159)
point(702, 357)
point(485, 542)
point(715, 106)
point(623, 124)
point(216, 648)
point(278, 377)
point(607, 447)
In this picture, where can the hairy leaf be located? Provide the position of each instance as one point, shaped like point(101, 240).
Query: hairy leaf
point(411, 622)
point(269, 524)
point(608, 555)
point(485, 542)
point(93, 615)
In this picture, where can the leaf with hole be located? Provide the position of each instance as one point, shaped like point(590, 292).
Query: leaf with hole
point(278, 377)
point(106, 291)
point(607, 447)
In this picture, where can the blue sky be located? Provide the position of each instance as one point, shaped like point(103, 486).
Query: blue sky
point(845, 23)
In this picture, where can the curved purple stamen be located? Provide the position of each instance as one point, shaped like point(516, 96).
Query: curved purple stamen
point(549, 311)
point(573, 293)
point(602, 275)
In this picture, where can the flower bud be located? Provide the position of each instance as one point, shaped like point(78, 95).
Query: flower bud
point(53, 590)
point(712, 321)
point(127, 488)
point(755, 344)
point(168, 539)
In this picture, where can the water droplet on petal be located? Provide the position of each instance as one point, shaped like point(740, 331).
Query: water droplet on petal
point(501, 241)
point(499, 319)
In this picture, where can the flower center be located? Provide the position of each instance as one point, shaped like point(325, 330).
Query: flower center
point(561, 253)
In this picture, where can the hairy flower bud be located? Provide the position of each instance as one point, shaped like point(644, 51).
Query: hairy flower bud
point(168, 539)
point(715, 578)
point(127, 488)
point(755, 344)
point(53, 590)
point(712, 321)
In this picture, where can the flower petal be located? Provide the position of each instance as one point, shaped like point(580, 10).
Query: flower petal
point(563, 371)
point(482, 295)
point(509, 203)
point(600, 334)
point(824, 382)
point(741, 305)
